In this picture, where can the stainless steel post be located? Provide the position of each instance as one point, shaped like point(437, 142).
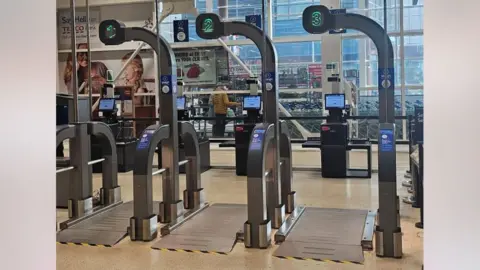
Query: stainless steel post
point(89, 62)
point(172, 206)
point(74, 80)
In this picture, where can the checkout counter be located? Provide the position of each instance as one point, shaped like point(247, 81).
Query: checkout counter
point(335, 143)
point(125, 139)
point(252, 106)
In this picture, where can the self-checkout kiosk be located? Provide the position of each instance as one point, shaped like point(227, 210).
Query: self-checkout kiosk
point(184, 114)
point(109, 112)
point(252, 112)
point(334, 138)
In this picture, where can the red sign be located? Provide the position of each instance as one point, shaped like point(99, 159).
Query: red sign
point(315, 72)
point(239, 128)
point(325, 128)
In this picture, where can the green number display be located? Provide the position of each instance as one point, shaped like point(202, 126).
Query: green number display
point(110, 32)
point(317, 19)
point(207, 26)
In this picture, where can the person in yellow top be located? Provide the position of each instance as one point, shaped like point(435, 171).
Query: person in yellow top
point(220, 106)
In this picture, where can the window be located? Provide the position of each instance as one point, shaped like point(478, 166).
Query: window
point(349, 4)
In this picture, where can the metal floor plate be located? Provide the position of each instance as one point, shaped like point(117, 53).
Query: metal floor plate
point(104, 229)
point(326, 235)
point(211, 231)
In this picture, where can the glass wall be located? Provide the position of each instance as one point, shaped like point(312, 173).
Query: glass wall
point(298, 53)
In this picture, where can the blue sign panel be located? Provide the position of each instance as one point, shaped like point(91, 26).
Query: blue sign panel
point(166, 84)
point(255, 20)
point(180, 31)
point(386, 140)
point(257, 139)
point(144, 141)
point(269, 80)
point(338, 11)
point(386, 79)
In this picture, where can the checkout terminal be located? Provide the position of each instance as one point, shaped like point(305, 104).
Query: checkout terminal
point(183, 114)
point(335, 143)
point(123, 132)
point(182, 109)
point(252, 106)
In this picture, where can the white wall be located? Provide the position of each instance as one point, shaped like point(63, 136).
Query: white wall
point(452, 181)
point(66, 3)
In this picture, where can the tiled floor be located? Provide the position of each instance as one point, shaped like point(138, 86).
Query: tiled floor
point(224, 186)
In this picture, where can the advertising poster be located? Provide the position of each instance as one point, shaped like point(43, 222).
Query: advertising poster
point(64, 27)
point(197, 67)
point(139, 74)
point(315, 72)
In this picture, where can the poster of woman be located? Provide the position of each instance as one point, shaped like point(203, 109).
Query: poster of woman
point(98, 73)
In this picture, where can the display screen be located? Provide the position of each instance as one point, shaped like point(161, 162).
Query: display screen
point(180, 103)
point(316, 19)
point(252, 102)
point(334, 101)
point(110, 31)
point(107, 104)
point(207, 26)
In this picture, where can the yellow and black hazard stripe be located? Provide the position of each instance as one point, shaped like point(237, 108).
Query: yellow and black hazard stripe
point(318, 260)
point(83, 244)
point(191, 251)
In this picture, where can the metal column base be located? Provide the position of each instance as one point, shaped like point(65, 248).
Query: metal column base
point(110, 196)
point(288, 225)
point(290, 205)
point(176, 210)
point(193, 198)
point(80, 208)
point(264, 235)
point(182, 218)
point(143, 229)
point(397, 245)
point(279, 216)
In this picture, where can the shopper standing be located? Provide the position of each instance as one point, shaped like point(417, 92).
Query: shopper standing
point(220, 105)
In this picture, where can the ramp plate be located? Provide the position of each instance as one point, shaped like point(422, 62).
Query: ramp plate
point(326, 235)
point(104, 229)
point(211, 231)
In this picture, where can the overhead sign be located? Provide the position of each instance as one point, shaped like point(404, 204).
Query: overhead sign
point(317, 19)
point(197, 67)
point(65, 24)
point(255, 20)
point(338, 12)
point(180, 31)
point(209, 26)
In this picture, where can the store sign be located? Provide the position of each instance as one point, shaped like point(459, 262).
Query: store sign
point(64, 27)
point(197, 67)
